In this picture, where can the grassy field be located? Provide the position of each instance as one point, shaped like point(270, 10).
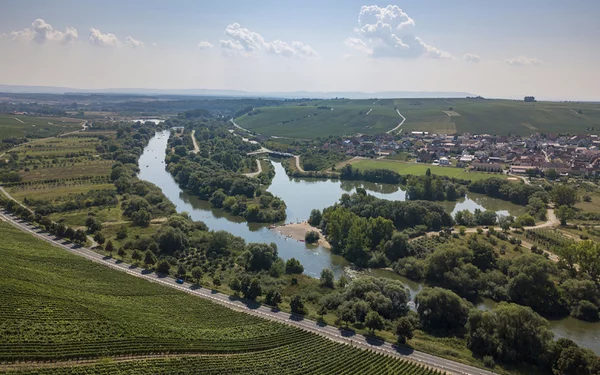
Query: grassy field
point(348, 117)
point(12, 126)
point(57, 306)
point(51, 191)
point(421, 169)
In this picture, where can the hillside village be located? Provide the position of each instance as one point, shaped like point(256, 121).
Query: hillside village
point(540, 153)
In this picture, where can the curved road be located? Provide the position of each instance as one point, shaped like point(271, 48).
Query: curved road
point(254, 174)
point(400, 124)
point(332, 333)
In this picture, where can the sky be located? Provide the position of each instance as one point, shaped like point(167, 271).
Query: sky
point(546, 48)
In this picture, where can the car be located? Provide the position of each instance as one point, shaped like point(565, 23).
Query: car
point(179, 281)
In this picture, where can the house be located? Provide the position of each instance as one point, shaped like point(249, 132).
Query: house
point(444, 161)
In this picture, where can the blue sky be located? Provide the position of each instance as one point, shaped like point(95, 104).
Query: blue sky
point(549, 49)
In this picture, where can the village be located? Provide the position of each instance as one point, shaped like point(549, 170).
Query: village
point(548, 154)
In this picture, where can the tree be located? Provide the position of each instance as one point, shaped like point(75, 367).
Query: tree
point(260, 256)
point(312, 236)
point(122, 232)
point(342, 282)
point(163, 266)
point(374, 321)
point(109, 247)
point(121, 252)
point(564, 213)
point(135, 255)
point(441, 310)
point(397, 247)
point(235, 285)
point(315, 218)
point(510, 333)
point(404, 330)
point(181, 271)
point(149, 258)
point(327, 278)
point(141, 218)
point(99, 237)
point(297, 306)
point(197, 274)
point(564, 195)
point(322, 311)
point(345, 313)
point(293, 266)
point(251, 289)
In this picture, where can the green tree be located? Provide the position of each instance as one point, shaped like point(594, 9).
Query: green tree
point(297, 305)
point(135, 255)
point(197, 274)
point(99, 237)
point(163, 266)
point(312, 236)
point(345, 313)
point(441, 310)
point(404, 330)
point(235, 285)
point(149, 258)
point(564, 195)
point(327, 278)
point(122, 232)
point(564, 213)
point(374, 321)
point(293, 266)
point(315, 218)
point(322, 311)
point(109, 247)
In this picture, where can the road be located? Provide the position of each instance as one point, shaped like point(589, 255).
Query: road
point(196, 148)
point(239, 127)
point(332, 333)
point(254, 174)
point(400, 124)
point(298, 163)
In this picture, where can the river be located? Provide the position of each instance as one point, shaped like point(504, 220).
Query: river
point(301, 196)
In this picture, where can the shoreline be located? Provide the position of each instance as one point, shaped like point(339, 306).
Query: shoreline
point(297, 231)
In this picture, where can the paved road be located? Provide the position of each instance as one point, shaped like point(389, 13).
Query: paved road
point(239, 127)
point(400, 124)
point(332, 333)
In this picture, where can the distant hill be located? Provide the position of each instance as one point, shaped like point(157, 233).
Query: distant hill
point(321, 118)
point(237, 93)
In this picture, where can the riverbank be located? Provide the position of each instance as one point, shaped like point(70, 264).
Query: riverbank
point(297, 231)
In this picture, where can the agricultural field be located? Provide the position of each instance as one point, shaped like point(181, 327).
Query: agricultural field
point(421, 169)
point(448, 116)
point(12, 126)
point(90, 311)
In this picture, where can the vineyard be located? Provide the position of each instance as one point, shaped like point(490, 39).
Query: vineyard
point(548, 238)
point(55, 306)
point(12, 126)
point(421, 246)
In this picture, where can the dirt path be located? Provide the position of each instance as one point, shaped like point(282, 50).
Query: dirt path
point(254, 174)
point(366, 114)
point(196, 148)
point(399, 125)
point(239, 127)
point(298, 163)
point(21, 121)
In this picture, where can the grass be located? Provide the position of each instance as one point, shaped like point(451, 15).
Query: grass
point(58, 306)
point(12, 126)
point(53, 191)
point(421, 169)
point(501, 117)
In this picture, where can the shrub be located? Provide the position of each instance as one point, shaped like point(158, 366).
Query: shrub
point(312, 236)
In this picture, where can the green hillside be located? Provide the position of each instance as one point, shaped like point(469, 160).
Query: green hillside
point(56, 306)
point(12, 126)
point(345, 117)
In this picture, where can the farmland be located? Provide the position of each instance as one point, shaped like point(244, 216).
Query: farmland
point(89, 311)
point(421, 169)
point(346, 117)
point(12, 126)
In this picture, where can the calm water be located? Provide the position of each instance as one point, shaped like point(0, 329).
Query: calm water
point(301, 196)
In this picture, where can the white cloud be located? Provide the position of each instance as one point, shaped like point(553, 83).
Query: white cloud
point(205, 45)
point(471, 57)
point(246, 43)
point(103, 40)
point(134, 43)
point(387, 32)
point(523, 61)
point(41, 32)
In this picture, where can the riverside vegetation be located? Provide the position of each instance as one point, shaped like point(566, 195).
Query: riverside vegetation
point(181, 247)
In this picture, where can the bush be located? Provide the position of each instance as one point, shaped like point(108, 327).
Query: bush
point(163, 267)
point(293, 266)
point(312, 236)
point(488, 361)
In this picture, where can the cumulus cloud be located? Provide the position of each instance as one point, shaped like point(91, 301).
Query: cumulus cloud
point(388, 32)
point(134, 43)
point(42, 32)
point(470, 57)
point(97, 38)
point(523, 61)
point(205, 45)
point(245, 42)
